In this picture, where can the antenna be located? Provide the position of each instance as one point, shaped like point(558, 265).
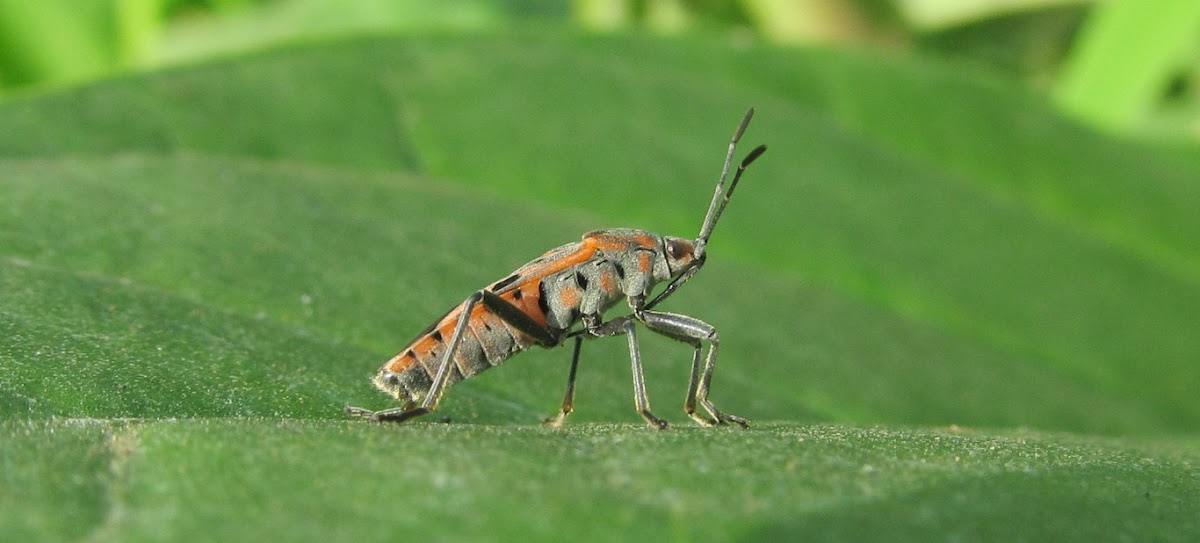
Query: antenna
point(718, 202)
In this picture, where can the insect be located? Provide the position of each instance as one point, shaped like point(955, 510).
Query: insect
point(562, 295)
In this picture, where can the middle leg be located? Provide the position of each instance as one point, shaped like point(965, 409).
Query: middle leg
point(568, 404)
point(625, 326)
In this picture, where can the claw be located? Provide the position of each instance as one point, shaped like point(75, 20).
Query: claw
point(556, 421)
point(360, 412)
point(655, 422)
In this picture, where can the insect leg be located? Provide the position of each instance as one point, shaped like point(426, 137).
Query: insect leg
point(693, 331)
point(568, 404)
point(689, 404)
point(640, 400)
point(625, 325)
point(499, 307)
point(401, 414)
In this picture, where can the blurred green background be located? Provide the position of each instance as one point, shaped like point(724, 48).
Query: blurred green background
point(1123, 65)
point(958, 296)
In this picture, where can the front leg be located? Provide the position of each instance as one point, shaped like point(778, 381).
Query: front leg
point(625, 326)
point(694, 332)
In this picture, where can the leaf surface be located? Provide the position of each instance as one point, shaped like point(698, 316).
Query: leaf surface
point(201, 266)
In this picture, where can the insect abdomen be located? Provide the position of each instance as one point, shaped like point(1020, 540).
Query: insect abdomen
point(487, 341)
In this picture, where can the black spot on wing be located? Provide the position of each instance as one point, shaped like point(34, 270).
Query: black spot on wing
point(505, 282)
point(436, 335)
point(432, 325)
point(543, 300)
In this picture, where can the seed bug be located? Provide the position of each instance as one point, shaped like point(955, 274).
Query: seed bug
point(543, 302)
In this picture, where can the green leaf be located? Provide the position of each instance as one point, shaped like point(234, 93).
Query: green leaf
point(221, 479)
point(201, 267)
point(49, 41)
point(1124, 58)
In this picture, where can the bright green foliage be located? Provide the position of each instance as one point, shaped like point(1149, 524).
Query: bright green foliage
point(199, 268)
point(1124, 58)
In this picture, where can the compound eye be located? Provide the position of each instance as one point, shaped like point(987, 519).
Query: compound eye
point(676, 249)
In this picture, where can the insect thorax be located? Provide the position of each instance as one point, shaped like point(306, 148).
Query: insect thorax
point(622, 263)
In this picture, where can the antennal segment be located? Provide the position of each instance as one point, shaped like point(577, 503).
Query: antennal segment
point(721, 196)
point(720, 199)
